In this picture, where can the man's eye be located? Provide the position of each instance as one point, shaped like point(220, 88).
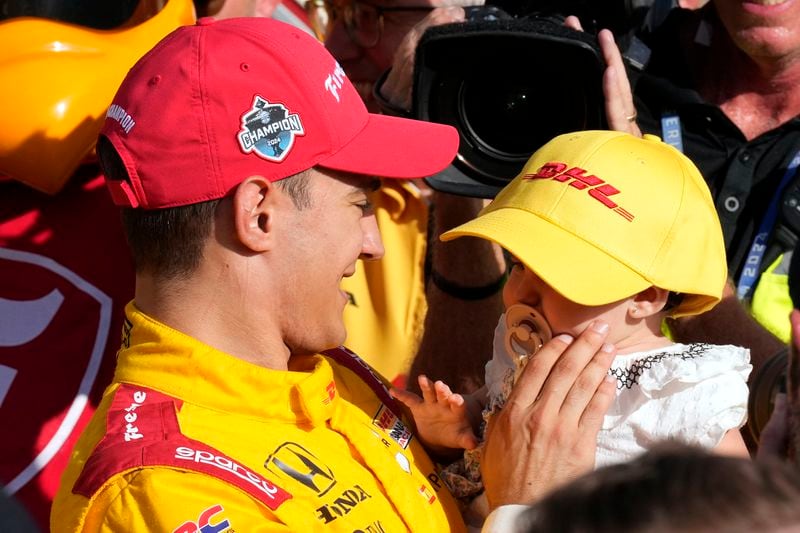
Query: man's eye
point(365, 206)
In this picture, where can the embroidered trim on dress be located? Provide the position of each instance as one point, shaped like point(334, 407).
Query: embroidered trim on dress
point(628, 377)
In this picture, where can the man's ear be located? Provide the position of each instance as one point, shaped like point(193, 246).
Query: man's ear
point(648, 302)
point(255, 203)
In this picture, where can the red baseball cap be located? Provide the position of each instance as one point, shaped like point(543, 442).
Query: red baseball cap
point(217, 102)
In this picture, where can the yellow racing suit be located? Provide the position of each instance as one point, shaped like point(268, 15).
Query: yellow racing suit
point(190, 439)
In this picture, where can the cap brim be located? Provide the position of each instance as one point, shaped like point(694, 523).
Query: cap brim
point(579, 271)
point(393, 147)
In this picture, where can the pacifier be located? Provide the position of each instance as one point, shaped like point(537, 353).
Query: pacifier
point(526, 331)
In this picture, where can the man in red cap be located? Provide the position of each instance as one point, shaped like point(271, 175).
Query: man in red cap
point(243, 160)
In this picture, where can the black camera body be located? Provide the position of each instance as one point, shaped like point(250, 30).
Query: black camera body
point(508, 84)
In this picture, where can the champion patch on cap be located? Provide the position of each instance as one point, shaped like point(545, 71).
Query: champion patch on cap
point(269, 129)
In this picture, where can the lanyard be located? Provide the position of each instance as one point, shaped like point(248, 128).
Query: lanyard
point(671, 131)
point(752, 266)
point(349, 359)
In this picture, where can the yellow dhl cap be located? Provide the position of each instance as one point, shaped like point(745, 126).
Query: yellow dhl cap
point(602, 215)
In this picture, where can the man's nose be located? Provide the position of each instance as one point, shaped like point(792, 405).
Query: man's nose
point(372, 244)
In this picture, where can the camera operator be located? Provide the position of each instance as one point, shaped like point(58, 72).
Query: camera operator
point(463, 294)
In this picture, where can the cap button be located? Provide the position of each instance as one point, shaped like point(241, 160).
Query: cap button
point(652, 138)
point(205, 21)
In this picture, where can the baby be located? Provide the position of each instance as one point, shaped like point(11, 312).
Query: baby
point(603, 227)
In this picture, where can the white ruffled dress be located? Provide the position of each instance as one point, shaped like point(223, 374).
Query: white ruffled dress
point(694, 393)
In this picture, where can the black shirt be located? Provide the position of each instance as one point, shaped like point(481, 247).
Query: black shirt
point(743, 176)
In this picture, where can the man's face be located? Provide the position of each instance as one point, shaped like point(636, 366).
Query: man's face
point(320, 246)
point(763, 29)
point(364, 65)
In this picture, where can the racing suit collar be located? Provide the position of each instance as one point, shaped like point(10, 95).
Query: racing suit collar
point(176, 364)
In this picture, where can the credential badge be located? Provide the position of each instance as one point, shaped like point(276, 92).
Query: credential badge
point(269, 130)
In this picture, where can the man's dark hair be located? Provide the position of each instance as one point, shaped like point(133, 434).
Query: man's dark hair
point(169, 242)
point(297, 188)
point(674, 487)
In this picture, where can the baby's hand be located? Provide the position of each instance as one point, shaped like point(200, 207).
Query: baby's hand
point(440, 415)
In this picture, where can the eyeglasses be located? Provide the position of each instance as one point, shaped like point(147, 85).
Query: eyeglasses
point(363, 21)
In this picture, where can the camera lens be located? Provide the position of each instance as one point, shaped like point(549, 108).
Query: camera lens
point(508, 87)
point(497, 116)
point(512, 118)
